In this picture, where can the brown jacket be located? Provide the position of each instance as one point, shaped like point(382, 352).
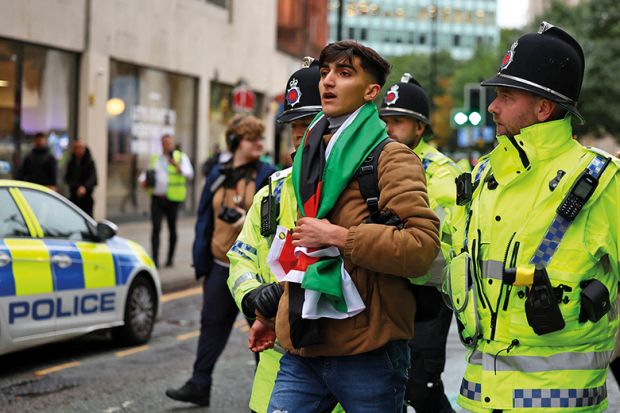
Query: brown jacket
point(378, 258)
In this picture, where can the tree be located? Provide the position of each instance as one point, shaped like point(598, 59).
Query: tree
point(596, 26)
point(419, 65)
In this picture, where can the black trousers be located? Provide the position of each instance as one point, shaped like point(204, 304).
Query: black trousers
point(85, 203)
point(160, 208)
point(428, 359)
point(219, 312)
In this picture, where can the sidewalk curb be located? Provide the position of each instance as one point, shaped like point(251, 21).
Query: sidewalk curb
point(177, 285)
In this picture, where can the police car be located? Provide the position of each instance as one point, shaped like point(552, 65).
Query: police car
point(62, 274)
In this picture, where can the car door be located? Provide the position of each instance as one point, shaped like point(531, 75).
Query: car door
point(27, 297)
point(83, 268)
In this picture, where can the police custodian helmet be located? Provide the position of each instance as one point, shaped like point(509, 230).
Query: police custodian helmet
point(302, 97)
point(549, 63)
point(407, 98)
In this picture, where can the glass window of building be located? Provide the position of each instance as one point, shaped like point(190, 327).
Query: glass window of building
point(144, 105)
point(38, 93)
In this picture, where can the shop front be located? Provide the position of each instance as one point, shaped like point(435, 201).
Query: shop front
point(145, 104)
point(38, 93)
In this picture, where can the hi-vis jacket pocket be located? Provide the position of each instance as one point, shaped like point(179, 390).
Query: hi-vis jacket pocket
point(458, 286)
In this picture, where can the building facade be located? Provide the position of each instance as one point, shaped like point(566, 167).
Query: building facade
point(399, 27)
point(119, 74)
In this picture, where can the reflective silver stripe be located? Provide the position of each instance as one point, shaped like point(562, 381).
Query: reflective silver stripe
point(492, 269)
point(534, 364)
point(277, 347)
point(546, 89)
point(476, 358)
point(242, 278)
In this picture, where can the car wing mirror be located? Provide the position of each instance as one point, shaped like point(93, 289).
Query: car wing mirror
point(106, 230)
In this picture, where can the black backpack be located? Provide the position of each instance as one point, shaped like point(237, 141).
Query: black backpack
point(368, 178)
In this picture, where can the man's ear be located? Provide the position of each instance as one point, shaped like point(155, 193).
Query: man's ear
point(372, 90)
point(544, 109)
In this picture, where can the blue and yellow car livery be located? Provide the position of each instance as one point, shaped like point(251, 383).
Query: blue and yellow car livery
point(62, 274)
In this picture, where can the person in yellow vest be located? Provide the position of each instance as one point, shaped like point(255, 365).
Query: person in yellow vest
point(166, 180)
point(406, 112)
point(535, 275)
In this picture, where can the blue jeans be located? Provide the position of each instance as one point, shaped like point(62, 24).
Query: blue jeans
point(372, 382)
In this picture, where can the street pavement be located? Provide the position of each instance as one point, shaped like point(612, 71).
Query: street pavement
point(181, 276)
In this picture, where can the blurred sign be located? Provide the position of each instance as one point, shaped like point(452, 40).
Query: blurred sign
point(243, 99)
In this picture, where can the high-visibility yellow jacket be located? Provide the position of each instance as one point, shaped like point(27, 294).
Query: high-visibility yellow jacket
point(177, 188)
point(440, 172)
point(512, 368)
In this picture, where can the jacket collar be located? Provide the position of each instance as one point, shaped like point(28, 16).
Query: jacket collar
point(422, 148)
point(533, 146)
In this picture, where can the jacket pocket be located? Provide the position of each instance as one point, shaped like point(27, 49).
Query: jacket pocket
point(458, 286)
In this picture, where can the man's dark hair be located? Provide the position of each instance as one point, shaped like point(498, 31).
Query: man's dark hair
point(345, 50)
point(39, 135)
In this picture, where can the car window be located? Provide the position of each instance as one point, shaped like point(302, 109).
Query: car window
point(12, 223)
point(56, 218)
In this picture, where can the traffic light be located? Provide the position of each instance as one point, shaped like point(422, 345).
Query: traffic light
point(473, 100)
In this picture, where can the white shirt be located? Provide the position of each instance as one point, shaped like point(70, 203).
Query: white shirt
point(161, 173)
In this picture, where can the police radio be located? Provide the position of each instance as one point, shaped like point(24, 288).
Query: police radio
point(578, 195)
point(268, 214)
point(464, 188)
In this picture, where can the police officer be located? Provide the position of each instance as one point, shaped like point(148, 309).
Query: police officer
point(166, 181)
point(250, 281)
point(405, 111)
point(537, 242)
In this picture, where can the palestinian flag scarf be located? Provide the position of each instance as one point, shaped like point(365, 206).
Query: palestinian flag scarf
point(319, 284)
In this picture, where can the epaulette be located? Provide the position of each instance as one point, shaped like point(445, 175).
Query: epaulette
point(277, 175)
point(601, 152)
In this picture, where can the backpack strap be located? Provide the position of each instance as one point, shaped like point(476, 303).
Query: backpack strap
point(368, 178)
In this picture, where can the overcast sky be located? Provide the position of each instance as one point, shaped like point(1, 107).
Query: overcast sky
point(511, 13)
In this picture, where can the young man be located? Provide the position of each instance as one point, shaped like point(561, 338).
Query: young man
point(250, 281)
point(406, 112)
point(346, 312)
point(225, 198)
point(538, 252)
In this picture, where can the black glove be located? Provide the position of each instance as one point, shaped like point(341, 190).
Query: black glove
point(265, 299)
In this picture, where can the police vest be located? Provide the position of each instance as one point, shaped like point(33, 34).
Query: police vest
point(509, 365)
point(176, 190)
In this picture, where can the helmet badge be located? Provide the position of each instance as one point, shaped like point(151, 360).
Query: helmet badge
point(392, 95)
point(293, 94)
point(508, 57)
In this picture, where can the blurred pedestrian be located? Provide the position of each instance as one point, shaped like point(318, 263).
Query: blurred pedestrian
point(226, 196)
point(40, 166)
point(537, 237)
point(81, 177)
point(217, 157)
point(166, 181)
point(406, 112)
